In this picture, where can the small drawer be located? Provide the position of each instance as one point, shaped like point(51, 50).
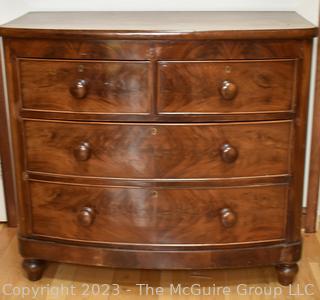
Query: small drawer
point(226, 87)
point(164, 151)
point(161, 216)
point(114, 87)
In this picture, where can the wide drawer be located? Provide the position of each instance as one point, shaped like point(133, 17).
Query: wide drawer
point(82, 86)
point(165, 151)
point(159, 216)
point(213, 87)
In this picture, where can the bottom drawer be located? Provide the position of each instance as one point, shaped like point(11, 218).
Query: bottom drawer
point(128, 215)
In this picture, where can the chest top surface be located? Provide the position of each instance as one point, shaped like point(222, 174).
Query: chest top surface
point(201, 24)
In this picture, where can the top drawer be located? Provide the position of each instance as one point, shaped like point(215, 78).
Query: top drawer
point(184, 87)
point(213, 87)
point(111, 87)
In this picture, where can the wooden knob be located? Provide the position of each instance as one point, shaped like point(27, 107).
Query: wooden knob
point(228, 217)
point(79, 89)
point(82, 152)
point(228, 90)
point(86, 216)
point(229, 154)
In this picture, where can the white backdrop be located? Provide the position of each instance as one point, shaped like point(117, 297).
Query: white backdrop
point(10, 9)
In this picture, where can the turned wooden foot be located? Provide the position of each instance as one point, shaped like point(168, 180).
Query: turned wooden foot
point(34, 268)
point(286, 273)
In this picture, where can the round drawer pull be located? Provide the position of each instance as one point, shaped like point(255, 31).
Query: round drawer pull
point(228, 217)
point(229, 154)
point(86, 216)
point(82, 152)
point(79, 89)
point(228, 90)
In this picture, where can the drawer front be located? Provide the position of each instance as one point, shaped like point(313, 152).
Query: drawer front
point(118, 49)
point(175, 216)
point(82, 86)
point(166, 151)
point(226, 86)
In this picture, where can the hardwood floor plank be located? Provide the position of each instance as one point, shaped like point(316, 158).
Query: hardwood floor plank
point(127, 280)
point(315, 269)
point(98, 285)
point(6, 237)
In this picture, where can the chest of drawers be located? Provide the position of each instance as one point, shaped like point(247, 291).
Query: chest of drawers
point(159, 140)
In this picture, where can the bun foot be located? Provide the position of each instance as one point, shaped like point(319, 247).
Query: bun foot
point(34, 268)
point(286, 273)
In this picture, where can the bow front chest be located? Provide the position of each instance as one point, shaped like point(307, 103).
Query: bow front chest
point(164, 140)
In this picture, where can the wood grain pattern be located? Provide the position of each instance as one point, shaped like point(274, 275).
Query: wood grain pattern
point(298, 159)
point(66, 274)
point(151, 183)
point(196, 87)
point(182, 157)
point(81, 49)
point(111, 87)
point(156, 118)
point(169, 259)
point(165, 151)
point(159, 216)
point(151, 49)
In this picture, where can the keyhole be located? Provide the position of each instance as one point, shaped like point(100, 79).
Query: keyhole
point(154, 131)
point(228, 69)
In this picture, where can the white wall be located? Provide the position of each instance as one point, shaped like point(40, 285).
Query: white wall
point(13, 8)
point(310, 10)
point(160, 5)
point(3, 216)
point(10, 9)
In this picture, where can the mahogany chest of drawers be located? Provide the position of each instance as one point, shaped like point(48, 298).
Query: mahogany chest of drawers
point(159, 140)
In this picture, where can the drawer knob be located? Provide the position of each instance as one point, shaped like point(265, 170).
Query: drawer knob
point(229, 154)
point(228, 90)
point(79, 89)
point(228, 217)
point(86, 216)
point(82, 152)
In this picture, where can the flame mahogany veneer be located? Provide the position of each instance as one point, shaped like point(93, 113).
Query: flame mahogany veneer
point(145, 140)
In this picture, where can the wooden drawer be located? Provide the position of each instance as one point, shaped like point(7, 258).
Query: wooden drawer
point(166, 151)
point(115, 87)
point(146, 216)
point(214, 87)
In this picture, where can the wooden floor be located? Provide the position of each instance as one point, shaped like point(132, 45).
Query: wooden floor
point(62, 281)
